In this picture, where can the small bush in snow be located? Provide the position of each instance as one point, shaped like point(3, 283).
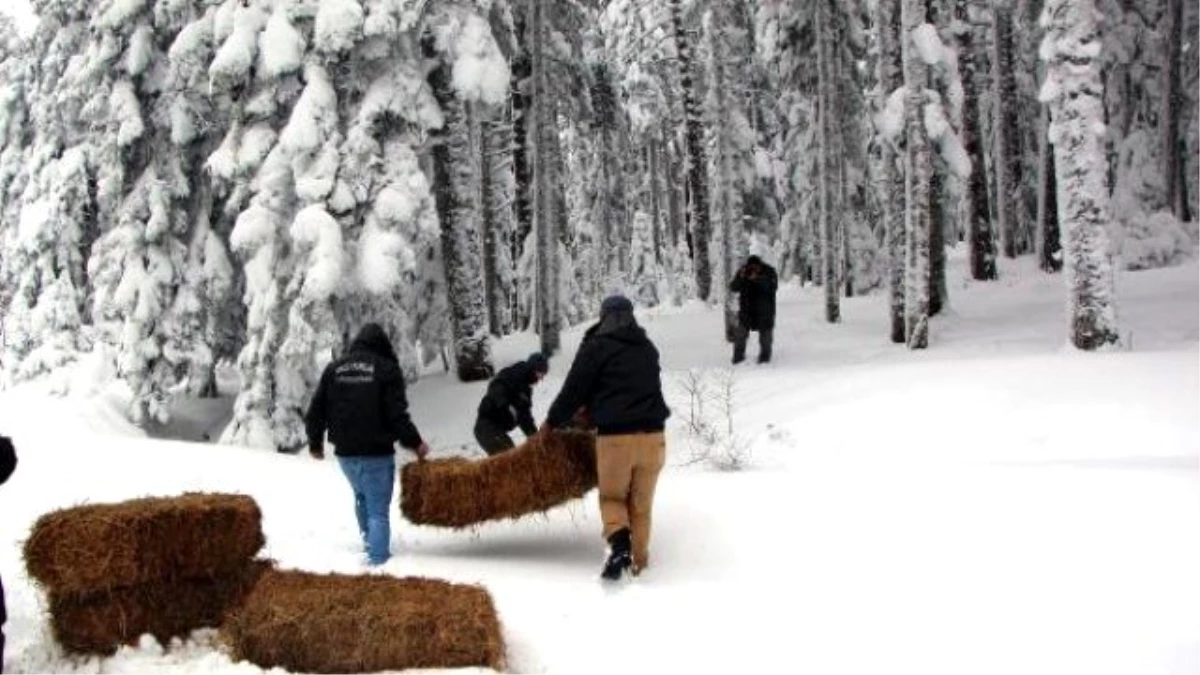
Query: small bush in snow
point(712, 437)
point(1151, 241)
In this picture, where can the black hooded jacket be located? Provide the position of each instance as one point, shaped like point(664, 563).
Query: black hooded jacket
point(615, 375)
point(756, 296)
point(360, 400)
point(509, 399)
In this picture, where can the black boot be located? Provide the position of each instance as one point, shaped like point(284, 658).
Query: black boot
point(619, 560)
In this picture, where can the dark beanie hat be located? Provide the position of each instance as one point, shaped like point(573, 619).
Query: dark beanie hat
point(615, 303)
point(754, 260)
point(539, 362)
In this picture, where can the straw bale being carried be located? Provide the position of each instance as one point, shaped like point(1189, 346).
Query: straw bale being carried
point(549, 469)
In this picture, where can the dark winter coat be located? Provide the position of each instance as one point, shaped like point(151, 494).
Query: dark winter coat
point(509, 399)
point(756, 297)
point(8, 464)
point(615, 375)
point(360, 400)
point(8, 458)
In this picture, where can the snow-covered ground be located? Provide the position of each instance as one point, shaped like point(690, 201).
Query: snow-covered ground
point(996, 504)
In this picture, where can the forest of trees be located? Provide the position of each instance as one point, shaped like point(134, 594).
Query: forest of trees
point(186, 183)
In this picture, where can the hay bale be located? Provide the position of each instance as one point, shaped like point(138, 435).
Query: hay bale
point(547, 470)
point(99, 623)
point(336, 623)
point(92, 548)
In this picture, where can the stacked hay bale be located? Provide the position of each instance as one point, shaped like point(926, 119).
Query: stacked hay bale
point(335, 623)
point(161, 565)
point(548, 470)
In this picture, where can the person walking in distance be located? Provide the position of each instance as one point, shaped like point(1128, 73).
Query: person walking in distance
point(616, 376)
point(361, 402)
point(755, 283)
point(508, 404)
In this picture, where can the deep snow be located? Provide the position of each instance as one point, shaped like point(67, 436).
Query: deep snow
point(998, 503)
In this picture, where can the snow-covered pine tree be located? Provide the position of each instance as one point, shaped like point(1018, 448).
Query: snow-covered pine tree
point(972, 65)
point(1074, 92)
point(916, 38)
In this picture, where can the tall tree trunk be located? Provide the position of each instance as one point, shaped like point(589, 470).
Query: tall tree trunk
point(1010, 203)
point(522, 69)
point(1071, 49)
point(827, 168)
point(652, 171)
point(495, 148)
point(727, 186)
point(1049, 244)
point(697, 160)
point(973, 64)
point(918, 169)
point(937, 239)
point(544, 220)
point(891, 77)
point(454, 183)
point(1172, 105)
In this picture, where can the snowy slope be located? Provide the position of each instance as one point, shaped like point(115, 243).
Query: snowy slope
point(996, 504)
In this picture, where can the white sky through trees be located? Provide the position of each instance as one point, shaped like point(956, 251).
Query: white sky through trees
point(21, 12)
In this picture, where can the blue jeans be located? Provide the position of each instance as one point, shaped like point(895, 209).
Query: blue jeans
point(372, 479)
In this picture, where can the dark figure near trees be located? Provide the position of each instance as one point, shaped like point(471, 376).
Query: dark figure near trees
point(755, 283)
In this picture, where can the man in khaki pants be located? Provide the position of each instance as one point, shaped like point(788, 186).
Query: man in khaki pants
point(615, 375)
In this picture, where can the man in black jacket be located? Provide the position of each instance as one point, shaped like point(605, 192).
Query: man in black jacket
point(615, 375)
point(509, 404)
point(360, 401)
point(755, 285)
point(8, 464)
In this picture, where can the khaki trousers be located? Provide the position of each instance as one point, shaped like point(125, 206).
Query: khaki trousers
point(627, 468)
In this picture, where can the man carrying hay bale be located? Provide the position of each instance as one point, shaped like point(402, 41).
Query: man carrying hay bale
point(615, 375)
point(8, 464)
point(509, 404)
point(361, 402)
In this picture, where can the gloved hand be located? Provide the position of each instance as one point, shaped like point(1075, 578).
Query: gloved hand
point(422, 451)
point(316, 452)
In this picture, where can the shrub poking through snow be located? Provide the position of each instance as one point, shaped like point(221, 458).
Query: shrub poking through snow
point(336, 623)
point(544, 472)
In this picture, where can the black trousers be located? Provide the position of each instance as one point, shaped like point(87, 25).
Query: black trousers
point(491, 437)
point(766, 339)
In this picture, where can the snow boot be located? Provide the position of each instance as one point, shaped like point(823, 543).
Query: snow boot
point(619, 560)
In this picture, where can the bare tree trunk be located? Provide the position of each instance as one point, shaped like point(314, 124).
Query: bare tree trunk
point(827, 167)
point(495, 149)
point(892, 192)
point(937, 241)
point(544, 219)
point(454, 181)
point(1049, 249)
point(697, 160)
point(1010, 203)
point(918, 170)
point(1071, 47)
point(653, 171)
point(1172, 105)
point(972, 62)
point(522, 70)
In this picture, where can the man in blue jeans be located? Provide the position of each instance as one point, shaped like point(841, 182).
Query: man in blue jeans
point(360, 401)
